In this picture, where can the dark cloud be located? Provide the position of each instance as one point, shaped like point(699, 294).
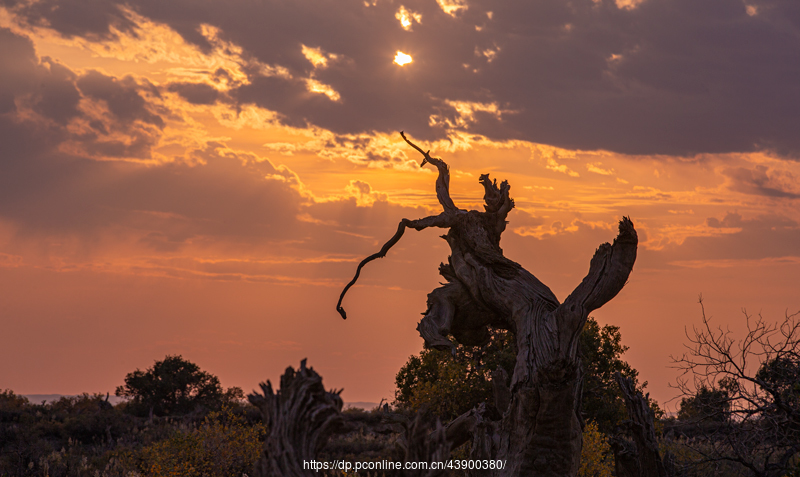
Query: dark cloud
point(218, 196)
point(668, 76)
point(196, 93)
point(46, 192)
point(731, 220)
point(57, 96)
point(130, 128)
point(93, 19)
point(47, 88)
point(121, 96)
point(762, 181)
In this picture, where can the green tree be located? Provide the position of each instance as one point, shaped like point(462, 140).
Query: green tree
point(708, 404)
point(450, 386)
point(173, 386)
point(782, 377)
point(601, 351)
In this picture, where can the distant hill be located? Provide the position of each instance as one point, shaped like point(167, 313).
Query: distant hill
point(38, 398)
point(367, 406)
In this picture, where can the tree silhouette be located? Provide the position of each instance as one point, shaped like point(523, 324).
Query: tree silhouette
point(539, 432)
point(173, 386)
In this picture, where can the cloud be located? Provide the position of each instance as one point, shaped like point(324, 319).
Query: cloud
point(123, 100)
point(61, 182)
point(653, 77)
point(196, 93)
point(731, 220)
point(764, 236)
point(90, 112)
point(95, 19)
point(49, 189)
point(763, 181)
point(47, 88)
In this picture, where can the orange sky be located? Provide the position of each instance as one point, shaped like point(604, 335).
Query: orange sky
point(203, 180)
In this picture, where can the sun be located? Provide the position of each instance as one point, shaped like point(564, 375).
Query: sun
point(402, 59)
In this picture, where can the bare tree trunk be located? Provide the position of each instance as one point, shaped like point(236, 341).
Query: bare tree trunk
point(300, 417)
point(540, 431)
point(639, 457)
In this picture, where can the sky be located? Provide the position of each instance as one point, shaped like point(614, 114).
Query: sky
point(201, 178)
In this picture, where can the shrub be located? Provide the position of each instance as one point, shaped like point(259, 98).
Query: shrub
point(596, 459)
point(223, 445)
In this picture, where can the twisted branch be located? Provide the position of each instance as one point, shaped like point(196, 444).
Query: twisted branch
point(443, 220)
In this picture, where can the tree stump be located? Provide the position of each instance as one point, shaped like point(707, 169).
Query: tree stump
point(300, 417)
point(539, 433)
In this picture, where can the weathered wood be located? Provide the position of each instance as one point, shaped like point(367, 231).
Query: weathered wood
point(540, 432)
point(639, 456)
point(300, 417)
point(500, 390)
point(425, 442)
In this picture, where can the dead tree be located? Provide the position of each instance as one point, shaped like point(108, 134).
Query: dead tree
point(300, 417)
point(539, 433)
point(755, 426)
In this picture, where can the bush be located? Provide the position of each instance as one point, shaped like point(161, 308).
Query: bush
point(596, 458)
point(223, 445)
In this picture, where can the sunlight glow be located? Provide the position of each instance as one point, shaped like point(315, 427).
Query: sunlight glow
point(402, 59)
point(315, 86)
point(452, 7)
point(628, 4)
point(407, 17)
point(315, 56)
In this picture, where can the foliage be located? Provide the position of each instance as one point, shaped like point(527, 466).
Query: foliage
point(85, 435)
point(173, 386)
point(57, 438)
point(223, 445)
point(596, 458)
point(706, 405)
point(781, 378)
point(601, 351)
point(449, 386)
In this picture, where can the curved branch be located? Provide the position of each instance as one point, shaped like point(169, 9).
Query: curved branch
point(442, 182)
point(382, 253)
point(442, 220)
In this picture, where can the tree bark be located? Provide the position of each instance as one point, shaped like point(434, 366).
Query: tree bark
point(640, 456)
point(300, 417)
point(540, 431)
